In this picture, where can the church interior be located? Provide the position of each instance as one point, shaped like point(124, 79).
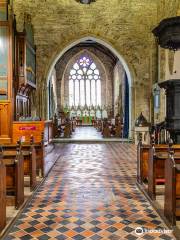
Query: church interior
point(89, 119)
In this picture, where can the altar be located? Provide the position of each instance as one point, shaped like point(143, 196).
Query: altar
point(86, 116)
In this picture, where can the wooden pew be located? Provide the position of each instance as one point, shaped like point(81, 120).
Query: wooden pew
point(172, 190)
point(39, 152)
point(143, 152)
point(67, 130)
point(118, 130)
point(30, 160)
point(110, 130)
point(2, 193)
point(13, 161)
point(106, 131)
point(40, 156)
point(156, 166)
point(24, 129)
point(142, 161)
point(55, 127)
point(29, 155)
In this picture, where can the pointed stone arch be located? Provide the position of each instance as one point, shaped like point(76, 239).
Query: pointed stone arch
point(124, 63)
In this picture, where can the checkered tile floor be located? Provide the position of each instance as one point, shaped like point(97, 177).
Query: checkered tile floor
point(90, 194)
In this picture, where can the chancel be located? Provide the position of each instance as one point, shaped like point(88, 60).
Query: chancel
point(89, 119)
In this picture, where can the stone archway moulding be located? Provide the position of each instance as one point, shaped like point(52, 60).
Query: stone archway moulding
point(110, 47)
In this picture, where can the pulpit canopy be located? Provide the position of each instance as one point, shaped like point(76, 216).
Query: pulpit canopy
point(168, 33)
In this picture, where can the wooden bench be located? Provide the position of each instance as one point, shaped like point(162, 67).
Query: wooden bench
point(142, 162)
point(30, 162)
point(143, 152)
point(67, 130)
point(106, 131)
point(110, 130)
point(24, 130)
point(55, 127)
point(118, 130)
point(172, 190)
point(39, 156)
point(29, 155)
point(13, 162)
point(156, 166)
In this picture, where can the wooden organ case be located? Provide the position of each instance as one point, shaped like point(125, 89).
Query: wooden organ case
point(6, 71)
point(25, 69)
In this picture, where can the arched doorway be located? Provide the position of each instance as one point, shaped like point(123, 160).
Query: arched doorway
point(128, 82)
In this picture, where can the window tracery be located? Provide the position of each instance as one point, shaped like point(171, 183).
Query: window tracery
point(84, 83)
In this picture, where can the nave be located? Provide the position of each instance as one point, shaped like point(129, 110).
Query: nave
point(90, 193)
point(86, 133)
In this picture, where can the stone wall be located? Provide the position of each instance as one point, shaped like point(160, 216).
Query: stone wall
point(124, 25)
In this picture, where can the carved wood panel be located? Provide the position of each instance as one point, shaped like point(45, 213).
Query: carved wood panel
point(5, 122)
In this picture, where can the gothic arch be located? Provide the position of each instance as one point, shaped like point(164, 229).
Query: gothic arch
point(124, 63)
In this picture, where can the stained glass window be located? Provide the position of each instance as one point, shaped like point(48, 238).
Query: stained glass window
point(84, 83)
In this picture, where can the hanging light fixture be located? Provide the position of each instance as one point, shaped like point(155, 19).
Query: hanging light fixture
point(85, 1)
